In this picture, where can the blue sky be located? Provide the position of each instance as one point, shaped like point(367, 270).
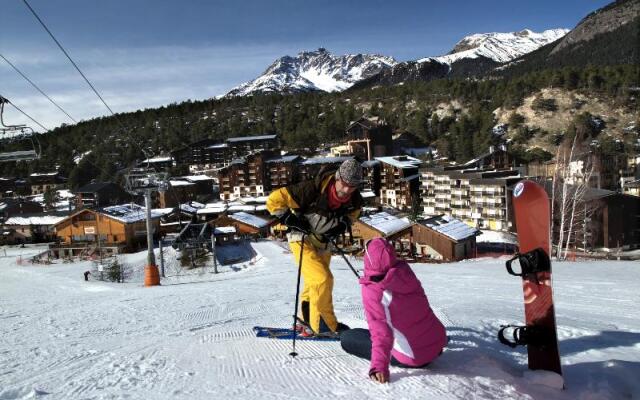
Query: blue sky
point(142, 54)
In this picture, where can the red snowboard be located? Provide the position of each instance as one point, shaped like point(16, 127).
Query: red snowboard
point(531, 207)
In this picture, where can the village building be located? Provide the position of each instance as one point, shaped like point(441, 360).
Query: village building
point(114, 229)
point(371, 177)
point(224, 235)
point(603, 219)
point(41, 182)
point(497, 158)
point(399, 181)
point(383, 224)
point(246, 176)
point(9, 236)
point(16, 207)
point(34, 229)
point(7, 187)
point(282, 171)
point(444, 238)
point(209, 155)
point(100, 194)
point(158, 164)
point(368, 138)
point(179, 191)
point(409, 144)
point(245, 224)
point(480, 199)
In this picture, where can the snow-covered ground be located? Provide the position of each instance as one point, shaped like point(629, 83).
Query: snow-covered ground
point(191, 338)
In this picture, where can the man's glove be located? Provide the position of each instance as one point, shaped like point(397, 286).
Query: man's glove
point(294, 222)
point(344, 225)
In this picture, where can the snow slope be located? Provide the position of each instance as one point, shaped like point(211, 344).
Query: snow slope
point(500, 47)
point(63, 338)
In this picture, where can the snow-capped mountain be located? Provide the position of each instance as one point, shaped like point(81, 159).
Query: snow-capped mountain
point(500, 47)
point(315, 70)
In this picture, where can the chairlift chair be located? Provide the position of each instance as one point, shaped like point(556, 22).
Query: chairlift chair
point(17, 142)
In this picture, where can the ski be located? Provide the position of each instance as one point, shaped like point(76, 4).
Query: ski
point(533, 265)
point(287, 334)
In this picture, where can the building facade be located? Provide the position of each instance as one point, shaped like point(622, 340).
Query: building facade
point(399, 181)
point(482, 200)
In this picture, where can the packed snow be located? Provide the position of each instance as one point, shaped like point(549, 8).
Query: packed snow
point(192, 338)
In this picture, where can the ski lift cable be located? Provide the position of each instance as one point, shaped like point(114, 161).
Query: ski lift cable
point(37, 88)
point(85, 78)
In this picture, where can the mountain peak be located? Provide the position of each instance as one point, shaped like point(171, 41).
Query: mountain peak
point(316, 70)
point(498, 46)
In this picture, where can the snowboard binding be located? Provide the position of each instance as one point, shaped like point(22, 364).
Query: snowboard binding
point(530, 263)
point(526, 336)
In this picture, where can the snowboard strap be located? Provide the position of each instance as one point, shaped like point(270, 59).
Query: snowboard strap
point(525, 336)
point(530, 262)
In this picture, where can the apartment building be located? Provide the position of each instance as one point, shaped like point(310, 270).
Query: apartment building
point(480, 199)
point(246, 176)
point(210, 154)
point(282, 171)
point(41, 182)
point(368, 138)
point(399, 181)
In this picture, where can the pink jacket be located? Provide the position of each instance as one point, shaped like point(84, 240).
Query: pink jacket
point(400, 319)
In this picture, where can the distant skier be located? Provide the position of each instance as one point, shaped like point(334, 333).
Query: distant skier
point(404, 331)
point(322, 209)
point(86, 275)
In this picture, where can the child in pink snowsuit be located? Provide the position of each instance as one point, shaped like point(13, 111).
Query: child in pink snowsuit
point(404, 331)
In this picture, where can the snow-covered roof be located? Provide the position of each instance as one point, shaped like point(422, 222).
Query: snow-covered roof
point(224, 229)
point(175, 183)
point(162, 211)
point(196, 178)
point(242, 207)
point(487, 236)
point(367, 194)
point(400, 161)
point(370, 163)
point(42, 220)
point(129, 213)
point(218, 146)
point(325, 160)
point(450, 227)
point(250, 219)
point(250, 138)
point(386, 223)
point(288, 158)
point(213, 208)
point(251, 199)
point(192, 207)
point(157, 160)
point(44, 174)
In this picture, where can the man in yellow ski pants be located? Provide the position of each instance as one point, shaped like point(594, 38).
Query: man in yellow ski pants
point(319, 210)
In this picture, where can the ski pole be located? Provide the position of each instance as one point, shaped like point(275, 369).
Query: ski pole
point(295, 310)
point(333, 241)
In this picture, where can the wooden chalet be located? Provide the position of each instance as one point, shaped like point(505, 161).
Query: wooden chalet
point(444, 238)
point(382, 224)
point(120, 228)
point(245, 224)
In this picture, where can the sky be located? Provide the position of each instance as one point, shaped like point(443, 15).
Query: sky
point(144, 54)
